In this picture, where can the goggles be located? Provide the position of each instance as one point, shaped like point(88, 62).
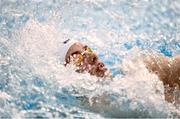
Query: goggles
point(88, 54)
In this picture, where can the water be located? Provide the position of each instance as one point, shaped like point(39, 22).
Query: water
point(33, 83)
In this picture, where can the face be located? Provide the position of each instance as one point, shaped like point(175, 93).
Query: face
point(87, 62)
point(93, 65)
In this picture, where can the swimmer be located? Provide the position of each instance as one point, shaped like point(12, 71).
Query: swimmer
point(167, 69)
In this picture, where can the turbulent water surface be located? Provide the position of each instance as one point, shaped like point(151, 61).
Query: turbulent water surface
point(34, 83)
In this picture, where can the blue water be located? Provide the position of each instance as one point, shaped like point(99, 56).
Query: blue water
point(34, 84)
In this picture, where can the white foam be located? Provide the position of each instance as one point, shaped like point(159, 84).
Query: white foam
point(38, 44)
point(5, 96)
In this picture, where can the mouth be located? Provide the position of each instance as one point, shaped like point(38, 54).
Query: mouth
point(102, 71)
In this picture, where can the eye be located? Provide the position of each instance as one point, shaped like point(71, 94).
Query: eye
point(91, 58)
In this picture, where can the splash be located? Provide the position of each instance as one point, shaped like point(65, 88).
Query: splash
point(135, 93)
point(34, 83)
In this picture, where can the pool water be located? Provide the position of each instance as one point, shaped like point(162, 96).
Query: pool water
point(35, 84)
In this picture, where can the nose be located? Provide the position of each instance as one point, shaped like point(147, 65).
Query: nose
point(100, 64)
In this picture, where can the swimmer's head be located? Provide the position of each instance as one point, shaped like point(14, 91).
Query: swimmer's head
point(85, 60)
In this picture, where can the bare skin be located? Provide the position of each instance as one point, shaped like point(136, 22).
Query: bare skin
point(168, 71)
